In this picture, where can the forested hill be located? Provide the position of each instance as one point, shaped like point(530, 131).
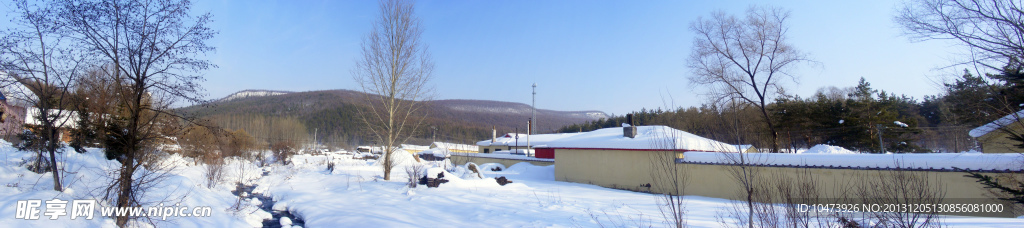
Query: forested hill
point(332, 116)
point(858, 117)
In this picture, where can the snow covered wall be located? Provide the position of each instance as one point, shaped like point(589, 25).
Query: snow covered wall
point(949, 161)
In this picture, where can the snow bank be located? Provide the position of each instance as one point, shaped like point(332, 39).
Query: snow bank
point(526, 171)
point(399, 158)
point(491, 166)
point(86, 176)
point(826, 149)
point(454, 181)
point(830, 156)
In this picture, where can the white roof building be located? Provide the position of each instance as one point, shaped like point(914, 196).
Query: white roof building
point(647, 138)
point(1001, 122)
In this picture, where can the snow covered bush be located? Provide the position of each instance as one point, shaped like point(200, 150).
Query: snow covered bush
point(413, 171)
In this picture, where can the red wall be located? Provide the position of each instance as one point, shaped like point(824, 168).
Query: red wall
point(544, 153)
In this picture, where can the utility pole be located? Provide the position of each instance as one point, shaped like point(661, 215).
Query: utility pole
point(529, 125)
point(533, 113)
point(517, 141)
point(881, 146)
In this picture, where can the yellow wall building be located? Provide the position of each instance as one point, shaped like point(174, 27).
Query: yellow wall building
point(994, 137)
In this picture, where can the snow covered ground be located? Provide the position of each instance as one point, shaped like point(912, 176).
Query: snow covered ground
point(354, 195)
point(87, 178)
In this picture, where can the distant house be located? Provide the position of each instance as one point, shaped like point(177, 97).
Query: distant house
point(65, 118)
point(12, 117)
point(413, 149)
point(454, 147)
point(433, 155)
point(747, 148)
point(994, 137)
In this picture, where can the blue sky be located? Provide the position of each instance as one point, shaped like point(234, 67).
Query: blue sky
point(612, 56)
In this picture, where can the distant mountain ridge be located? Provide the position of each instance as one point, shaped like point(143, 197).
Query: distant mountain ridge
point(520, 111)
point(333, 112)
point(252, 93)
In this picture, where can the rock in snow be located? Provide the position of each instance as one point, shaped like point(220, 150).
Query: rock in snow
point(286, 222)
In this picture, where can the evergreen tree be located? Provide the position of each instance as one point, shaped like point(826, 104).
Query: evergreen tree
point(970, 102)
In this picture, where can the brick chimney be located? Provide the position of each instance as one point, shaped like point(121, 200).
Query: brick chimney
point(629, 131)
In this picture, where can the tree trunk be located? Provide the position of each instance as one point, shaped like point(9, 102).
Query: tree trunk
point(750, 197)
point(53, 167)
point(771, 128)
point(387, 163)
point(124, 196)
point(51, 139)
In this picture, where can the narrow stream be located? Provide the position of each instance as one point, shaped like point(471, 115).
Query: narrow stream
point(267, 204)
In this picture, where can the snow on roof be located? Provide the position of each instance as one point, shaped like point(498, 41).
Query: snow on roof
point(414, 147)
point(435, 152)
point(454, 146)
point(18, 94)
point(63, 118)
point(539, 139)
point(647, 138)
point(1001, 122)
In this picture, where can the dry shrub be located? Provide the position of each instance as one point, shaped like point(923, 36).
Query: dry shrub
point(413, 171)
point(900, 186)
point(283, 150)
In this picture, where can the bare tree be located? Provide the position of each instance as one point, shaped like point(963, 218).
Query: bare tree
point(152, 47)
point(744, 170)
point(669, 177)
point(393, 73)
point(744, 58)
point(94, 98)
point(993, 30)
point(899, 186)
point(38, 57)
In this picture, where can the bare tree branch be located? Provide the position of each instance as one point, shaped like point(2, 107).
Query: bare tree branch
point(744, 58)
point(393, 73)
